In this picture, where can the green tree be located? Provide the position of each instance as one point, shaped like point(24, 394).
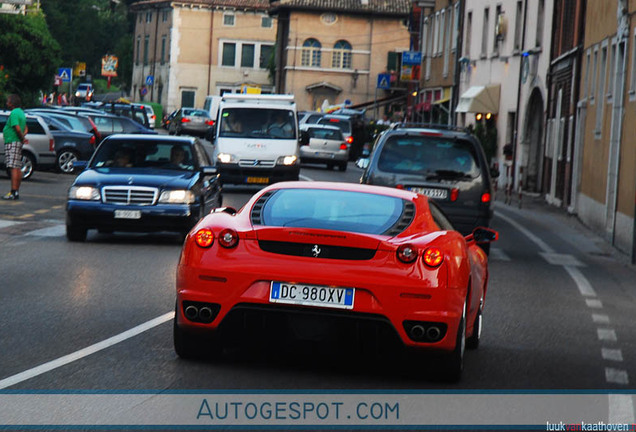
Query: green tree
point(89, 29)
point(29, 55)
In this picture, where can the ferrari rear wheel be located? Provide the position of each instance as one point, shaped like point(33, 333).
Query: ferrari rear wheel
point(454, 364)
point(473, 341)
point(189, 345)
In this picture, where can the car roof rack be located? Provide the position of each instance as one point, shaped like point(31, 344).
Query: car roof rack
point(407, 125)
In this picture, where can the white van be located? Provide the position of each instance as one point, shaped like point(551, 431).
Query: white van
point(256, 139)
point(211, 105)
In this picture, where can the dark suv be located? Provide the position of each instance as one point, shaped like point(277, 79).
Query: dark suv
point(443, 163)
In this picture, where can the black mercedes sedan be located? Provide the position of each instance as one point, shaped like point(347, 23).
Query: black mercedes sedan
point(142, 183)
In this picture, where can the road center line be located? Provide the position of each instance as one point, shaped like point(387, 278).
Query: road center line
point(92, 349)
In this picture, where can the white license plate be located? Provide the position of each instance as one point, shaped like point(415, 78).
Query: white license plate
point(430, 192)
point(127, 214)
point(311, 295)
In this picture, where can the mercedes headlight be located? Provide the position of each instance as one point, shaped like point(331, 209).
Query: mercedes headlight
point(176, 197)
point(287, 160)
point(87, 193)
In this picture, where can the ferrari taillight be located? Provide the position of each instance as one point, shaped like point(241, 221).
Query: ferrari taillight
point(485, 197)
point(204, 238)
point(407, 253)
point(349, 139)
point(433, 257)
point(228, 238)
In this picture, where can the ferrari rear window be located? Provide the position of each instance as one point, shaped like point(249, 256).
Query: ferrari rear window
point(333, 210)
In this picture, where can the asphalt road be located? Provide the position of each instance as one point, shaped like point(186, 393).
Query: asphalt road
point(558, 311)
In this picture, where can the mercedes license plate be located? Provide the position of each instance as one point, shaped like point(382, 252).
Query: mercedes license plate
point(311, 295)
point(430, 192)
point(127, 214)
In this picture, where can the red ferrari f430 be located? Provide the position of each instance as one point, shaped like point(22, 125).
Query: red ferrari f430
point(333, 255)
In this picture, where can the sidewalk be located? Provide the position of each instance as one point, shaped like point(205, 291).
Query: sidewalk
point(566, 226)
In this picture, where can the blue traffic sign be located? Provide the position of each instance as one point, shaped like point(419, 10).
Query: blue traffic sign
point(65, 74)
point(384, 81)
point(150, 80)
point(411, 58)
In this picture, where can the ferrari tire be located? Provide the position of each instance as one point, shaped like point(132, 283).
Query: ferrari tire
point(473, 341)
point(75, 233)
point(454, 363)
point(189, 345)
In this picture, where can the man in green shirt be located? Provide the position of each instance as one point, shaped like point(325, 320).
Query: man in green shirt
point(14, 133)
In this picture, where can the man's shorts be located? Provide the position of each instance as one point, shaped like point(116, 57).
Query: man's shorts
point(13, 155)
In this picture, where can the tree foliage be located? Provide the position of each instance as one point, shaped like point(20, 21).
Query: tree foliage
point(29, 55)
point(89, 29)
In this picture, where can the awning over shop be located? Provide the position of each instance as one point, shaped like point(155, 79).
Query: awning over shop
point(480, 99)
point(445, 97)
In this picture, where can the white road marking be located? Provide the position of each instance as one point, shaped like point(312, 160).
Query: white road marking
point(621, 409)
point(561, 259)
point(54, 231)
point(594, 304)
point(612, 354)
point(54, 364)
point(600, 319)
point(606, 335)
point(542, 245)
point(585, 288)
point(617, 376)
point(7, 223)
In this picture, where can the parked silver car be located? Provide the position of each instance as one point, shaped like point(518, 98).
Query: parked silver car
point(190, 121)
point(324, 144)
point(39, 152)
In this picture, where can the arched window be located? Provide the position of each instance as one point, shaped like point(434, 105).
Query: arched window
point(341, 58)
point(311, 53)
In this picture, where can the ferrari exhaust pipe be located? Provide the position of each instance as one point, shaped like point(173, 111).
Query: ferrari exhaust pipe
point(205, 314)
point(433, 333)
point(417, 332)
point(191, 312)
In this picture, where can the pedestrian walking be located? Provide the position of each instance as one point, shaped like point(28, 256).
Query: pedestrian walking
point(14, 134)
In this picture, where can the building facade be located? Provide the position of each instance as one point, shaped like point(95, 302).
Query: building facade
point(439, 37)
point(504, 66)
point(330, 53)
point(562, 153)
point(606, 115)
point(184, 51)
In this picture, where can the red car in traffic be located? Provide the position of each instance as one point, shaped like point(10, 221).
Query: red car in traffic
point(307, 258)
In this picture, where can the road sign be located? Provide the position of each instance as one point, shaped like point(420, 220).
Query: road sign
point(80, 69)
point(412, 58)
point(65, 74)
point(384, 81)
point(150, 80)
